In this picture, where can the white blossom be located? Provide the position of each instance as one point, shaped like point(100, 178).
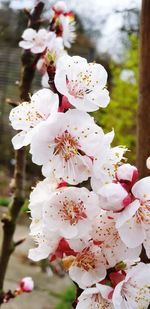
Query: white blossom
point(36, 41)
point(67, 145)
point(82, 83)
point(70, 212)
point(28, 115)
point(105, 235)
point(88, 267)
point(95, 298)
point(133, 291)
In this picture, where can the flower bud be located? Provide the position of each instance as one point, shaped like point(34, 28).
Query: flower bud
point(26, 284)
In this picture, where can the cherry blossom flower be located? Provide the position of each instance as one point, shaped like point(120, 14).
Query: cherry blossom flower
point(67, 145)
point(70, 212)
point(88, 267)
point(26, 284)
point(105, 235)
point(133, 291)
point(95, 297)
point(27, 115)
point(36, 41)
point(68, 26)
point(133, 223)
point(82, 83)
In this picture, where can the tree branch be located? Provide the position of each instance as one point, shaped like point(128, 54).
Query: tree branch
point(9, 221)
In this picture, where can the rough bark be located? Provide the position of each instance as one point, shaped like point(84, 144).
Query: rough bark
point(143, 120)
point(9, 221)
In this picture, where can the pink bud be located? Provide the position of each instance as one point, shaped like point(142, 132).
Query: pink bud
point(60, 7)
point(26, 284)
point(127, 172)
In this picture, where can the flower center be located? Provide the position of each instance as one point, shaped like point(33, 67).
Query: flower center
point(80, 87)
point(143, 214)
point(85, 259)
point(72, 211)
point(66, 145)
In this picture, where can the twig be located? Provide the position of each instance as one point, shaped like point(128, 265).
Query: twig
point(9, 222)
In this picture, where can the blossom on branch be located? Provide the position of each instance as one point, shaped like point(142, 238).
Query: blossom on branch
point(88, 267)
point(105, 235)
point(28, 115)
point(134, 290)
point(26, 284)
point(82, 83)
point(67, 146)
point(95, 297)
point(70, 212)
point(36, 41)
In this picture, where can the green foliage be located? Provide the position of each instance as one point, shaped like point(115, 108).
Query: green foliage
point(66, 298)
point(121, 112)
point(4, 201)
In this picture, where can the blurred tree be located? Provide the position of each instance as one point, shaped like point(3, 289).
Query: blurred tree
point(120, 113)
point(143, 121)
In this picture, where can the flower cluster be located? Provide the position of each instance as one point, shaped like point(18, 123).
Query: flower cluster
point(49, 44)
point(97, 231)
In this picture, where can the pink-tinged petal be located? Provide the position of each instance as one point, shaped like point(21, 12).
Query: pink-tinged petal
point(141, 189)
point(126, 172)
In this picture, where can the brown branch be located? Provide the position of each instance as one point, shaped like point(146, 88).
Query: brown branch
point(9, 221)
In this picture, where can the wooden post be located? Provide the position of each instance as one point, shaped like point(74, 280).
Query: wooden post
point(143, 119)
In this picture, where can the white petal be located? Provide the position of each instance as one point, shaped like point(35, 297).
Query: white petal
point(141, 189)
point(18, 140)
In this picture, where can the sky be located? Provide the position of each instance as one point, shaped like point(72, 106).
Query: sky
point(91, 12)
